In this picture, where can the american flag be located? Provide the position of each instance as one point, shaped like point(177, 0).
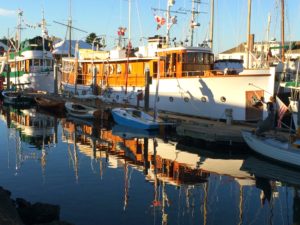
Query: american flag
point(281, 109)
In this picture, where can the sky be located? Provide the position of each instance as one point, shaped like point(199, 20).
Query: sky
point(103, 17)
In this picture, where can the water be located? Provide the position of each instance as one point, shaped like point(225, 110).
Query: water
point(103, 178)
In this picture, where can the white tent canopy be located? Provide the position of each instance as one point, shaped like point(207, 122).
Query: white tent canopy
point(62, 48)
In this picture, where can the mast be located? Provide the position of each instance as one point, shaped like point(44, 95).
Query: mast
point(69, 26)
point(169, 5)
point(44, 33)
point(194, 23)
point(212, 10)
point(19, 28)
point(248, 33)
point(128, 45)
point(282, 31)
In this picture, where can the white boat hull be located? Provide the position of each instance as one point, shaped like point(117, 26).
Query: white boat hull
point(43, 81)
point(273, 149)
point(207, 97)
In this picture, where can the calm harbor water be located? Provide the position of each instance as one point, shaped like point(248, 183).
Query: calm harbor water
point(100, 173)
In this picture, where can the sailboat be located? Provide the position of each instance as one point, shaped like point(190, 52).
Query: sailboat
point(273, 147)
point(188, 84)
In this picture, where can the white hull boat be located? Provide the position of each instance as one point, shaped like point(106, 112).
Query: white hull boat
point(273, 148)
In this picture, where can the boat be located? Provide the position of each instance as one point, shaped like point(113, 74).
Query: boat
point(274, 147)
point(31, 62)
point(81, 110)
point(17, 98)
point(50, 103)
point(134, 118)
point(188, 84)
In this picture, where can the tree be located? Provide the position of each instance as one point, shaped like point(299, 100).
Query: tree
point(93, 39)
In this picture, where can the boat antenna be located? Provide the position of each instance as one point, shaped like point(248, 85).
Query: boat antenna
point(44, 34)
point(211, 36)
point(282, 31)
point(248, 33)
point(69, 27)
point(194, 24)
point(19, 28)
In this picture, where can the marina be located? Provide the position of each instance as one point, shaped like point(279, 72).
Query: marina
point(183, 119)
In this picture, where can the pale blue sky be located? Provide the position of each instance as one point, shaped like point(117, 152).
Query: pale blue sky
point(105, 16)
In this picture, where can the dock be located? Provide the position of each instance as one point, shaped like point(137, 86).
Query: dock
point(218, 131)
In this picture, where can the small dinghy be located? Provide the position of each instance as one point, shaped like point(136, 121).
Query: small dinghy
point(16, 98)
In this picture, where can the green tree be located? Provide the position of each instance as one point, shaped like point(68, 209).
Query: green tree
point(93, 39)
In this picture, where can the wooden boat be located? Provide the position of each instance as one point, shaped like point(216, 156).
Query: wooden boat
point(190, 82)
point(274, 148)
point(80, 110)
point(134, 118)
point(16, 98)
point(50, 103)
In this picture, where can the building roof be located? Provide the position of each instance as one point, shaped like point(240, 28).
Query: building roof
point(62, 48)
point(239, 48)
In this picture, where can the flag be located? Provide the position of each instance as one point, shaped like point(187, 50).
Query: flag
point(160, 21)
point(281, 109)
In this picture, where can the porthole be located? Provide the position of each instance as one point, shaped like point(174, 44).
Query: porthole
point(186, 99)
point(203, 99)
point(171, 99)
point(223, 99)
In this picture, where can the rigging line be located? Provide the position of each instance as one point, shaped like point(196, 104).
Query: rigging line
point(139, 21)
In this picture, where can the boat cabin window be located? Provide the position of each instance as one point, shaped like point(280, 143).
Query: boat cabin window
point(136, 113)
point(183, 58)
point(119, 69)
point(206, 58)
point(211, 58)
point(41, 62)
point(49, 63)
point(23, 65)
point(36, 62)
point(154, 69)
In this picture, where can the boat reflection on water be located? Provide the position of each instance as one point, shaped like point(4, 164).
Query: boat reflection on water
point(169, 179)
point(195, 172)
point(34, 133)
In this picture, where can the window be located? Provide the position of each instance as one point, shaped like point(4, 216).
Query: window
point(36, 62)
point(200, 58)
point(119, 69)
point(206, 58)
